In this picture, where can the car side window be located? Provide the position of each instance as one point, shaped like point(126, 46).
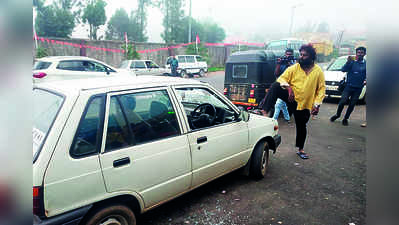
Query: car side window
point(181, 59)
point(142, 117)
point(204, 108)
point(199, 59)
point(140, 65)
point(153, 65)
point(118, 133)
point(133, 65)
point(73, 65)
point(86, 139)
point(190, 59)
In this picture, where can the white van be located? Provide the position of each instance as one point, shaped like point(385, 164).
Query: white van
point(189, 65)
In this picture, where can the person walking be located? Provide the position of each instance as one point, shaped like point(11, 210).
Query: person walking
point(282, 64)
point(302, 87)
point(174, 64)
point(355, 80)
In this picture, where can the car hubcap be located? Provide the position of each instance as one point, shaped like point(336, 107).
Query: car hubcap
point(115, 220)
point(202, 73)
point(264, 162)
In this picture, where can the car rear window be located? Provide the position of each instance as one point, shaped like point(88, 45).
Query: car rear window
point(46, 106)
point(41, 65)
point(240, 71)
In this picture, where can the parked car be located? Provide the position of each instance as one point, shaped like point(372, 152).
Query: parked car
point(72, 67)
point(333, 75)
point(107, 149)
point(190, 65)
point(144, 67)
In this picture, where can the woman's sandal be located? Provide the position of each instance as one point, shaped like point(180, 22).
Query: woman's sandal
point(303, 155)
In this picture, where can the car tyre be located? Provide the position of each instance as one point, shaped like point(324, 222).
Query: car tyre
point(202, 73)
point(112, 215)
point(183, 74)
point(259, 160)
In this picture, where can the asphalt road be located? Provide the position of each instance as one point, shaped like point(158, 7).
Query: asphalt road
point(328, 188)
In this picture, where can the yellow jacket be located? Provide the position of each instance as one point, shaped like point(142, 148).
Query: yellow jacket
point(309, 89)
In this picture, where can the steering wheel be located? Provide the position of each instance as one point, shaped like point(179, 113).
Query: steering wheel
point(204, 114)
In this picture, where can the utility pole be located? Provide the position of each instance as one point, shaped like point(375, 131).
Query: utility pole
point(292, 16)
point(189, 25)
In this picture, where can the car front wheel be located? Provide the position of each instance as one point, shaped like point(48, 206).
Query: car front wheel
point(202, 73)
point(259, 160)
point(183, 74)
point(112, 215)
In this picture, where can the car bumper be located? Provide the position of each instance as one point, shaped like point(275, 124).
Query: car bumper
point(69, 218)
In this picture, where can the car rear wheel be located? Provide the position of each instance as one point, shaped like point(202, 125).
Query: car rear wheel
point(259, 160)
point(112, 215)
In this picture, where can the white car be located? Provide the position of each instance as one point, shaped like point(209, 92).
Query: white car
point(144, 67)
point(333, 75)
point(72, 67)
point(189, 65)
point(107, 149)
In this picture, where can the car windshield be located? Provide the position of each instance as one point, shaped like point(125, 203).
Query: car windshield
point(41, 65)
point(46, 106)
point(337, 64)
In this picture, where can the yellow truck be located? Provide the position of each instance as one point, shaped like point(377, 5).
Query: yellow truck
point(323, 49)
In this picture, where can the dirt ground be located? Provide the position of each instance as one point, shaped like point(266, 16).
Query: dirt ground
point(329, 188)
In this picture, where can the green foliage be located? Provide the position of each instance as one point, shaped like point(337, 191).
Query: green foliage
point(41, 52)
point(214, 69)
point(141, 20)
point(120, 23)
point(202, 51)
point(94, 15)
point(56, 20)
point(213, 33)
point(131, 52)
point(173, 21)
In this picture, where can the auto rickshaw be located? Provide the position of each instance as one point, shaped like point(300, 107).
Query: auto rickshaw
point(248, 76)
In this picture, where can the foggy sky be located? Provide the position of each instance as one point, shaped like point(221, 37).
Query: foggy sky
point(258, 19)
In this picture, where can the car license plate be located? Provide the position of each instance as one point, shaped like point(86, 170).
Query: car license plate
point(251, 100)
point(331, 88)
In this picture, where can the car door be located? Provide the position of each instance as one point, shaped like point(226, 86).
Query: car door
point(154, 69)
point(144, 150)
point(191, 64)
point(139, 68)
point(216, 148)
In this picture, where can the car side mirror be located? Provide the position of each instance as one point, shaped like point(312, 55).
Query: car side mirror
point(107, 71)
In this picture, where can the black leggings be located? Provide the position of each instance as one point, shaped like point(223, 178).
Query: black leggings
point(301, 116)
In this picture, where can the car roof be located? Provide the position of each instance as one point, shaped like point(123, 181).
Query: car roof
point(113, 83)
point(58, 58)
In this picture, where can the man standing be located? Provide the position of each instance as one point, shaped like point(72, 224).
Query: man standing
point(355, 80)
point(282, 64)
point(302, 86)
point(173, 65)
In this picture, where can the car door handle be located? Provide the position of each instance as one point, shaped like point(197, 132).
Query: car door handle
point(202, 139)
point(121, 162)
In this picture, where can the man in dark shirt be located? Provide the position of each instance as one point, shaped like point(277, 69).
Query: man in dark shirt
point(356, 79)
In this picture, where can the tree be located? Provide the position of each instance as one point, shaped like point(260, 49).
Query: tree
point(131, 52)
point(57, 19)
point(213, 33)
point(118, 25)
point(94, 15)
point(173, 20)
point(141, 19)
